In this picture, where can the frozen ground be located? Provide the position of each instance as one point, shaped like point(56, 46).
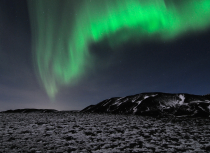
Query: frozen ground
point(75, 132)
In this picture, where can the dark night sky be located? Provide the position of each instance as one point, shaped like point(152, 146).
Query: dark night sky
point(177, 66)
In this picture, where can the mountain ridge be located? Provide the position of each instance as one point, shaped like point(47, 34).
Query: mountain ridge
point(154, 104)
point(30, 110)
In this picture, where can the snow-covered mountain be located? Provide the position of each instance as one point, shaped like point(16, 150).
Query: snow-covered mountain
point(155, 104)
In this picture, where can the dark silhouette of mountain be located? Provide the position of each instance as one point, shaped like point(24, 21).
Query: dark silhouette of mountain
point(155, 104)
point(30, 110)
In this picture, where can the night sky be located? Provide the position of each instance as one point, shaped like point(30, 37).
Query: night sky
point(68, 54)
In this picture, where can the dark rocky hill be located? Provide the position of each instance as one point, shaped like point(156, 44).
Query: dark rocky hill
point(30, 110)
point(154, 104)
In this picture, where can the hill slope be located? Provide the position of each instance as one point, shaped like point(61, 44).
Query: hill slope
point(30, 110)
point(155, 104)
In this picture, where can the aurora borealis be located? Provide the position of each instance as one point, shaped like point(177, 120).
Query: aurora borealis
point(68, 54)
point(61, 42)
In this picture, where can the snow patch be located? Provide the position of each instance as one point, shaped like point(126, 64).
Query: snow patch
point(153, 95)
point(139, 102)
point(145, 97)
point(136, 97)
point(118, 102)
point(120, 98)
point(135, 108)
point(201, 108)
point(209, 108)
point(105, 103)
point(199, 101)
point(182, 99)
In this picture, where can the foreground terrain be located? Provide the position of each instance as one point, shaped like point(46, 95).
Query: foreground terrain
point(77, 132)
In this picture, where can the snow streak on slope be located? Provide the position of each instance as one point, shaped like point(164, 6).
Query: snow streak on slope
point(182, 99)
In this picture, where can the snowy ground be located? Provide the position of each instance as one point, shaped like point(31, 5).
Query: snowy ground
point(74, 132)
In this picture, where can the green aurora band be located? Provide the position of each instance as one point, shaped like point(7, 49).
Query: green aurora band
point(61, 40)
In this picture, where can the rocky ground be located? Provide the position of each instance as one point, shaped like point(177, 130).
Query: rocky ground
point(76, 132)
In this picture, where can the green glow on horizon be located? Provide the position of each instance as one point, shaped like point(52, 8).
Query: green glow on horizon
point(61, 40)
